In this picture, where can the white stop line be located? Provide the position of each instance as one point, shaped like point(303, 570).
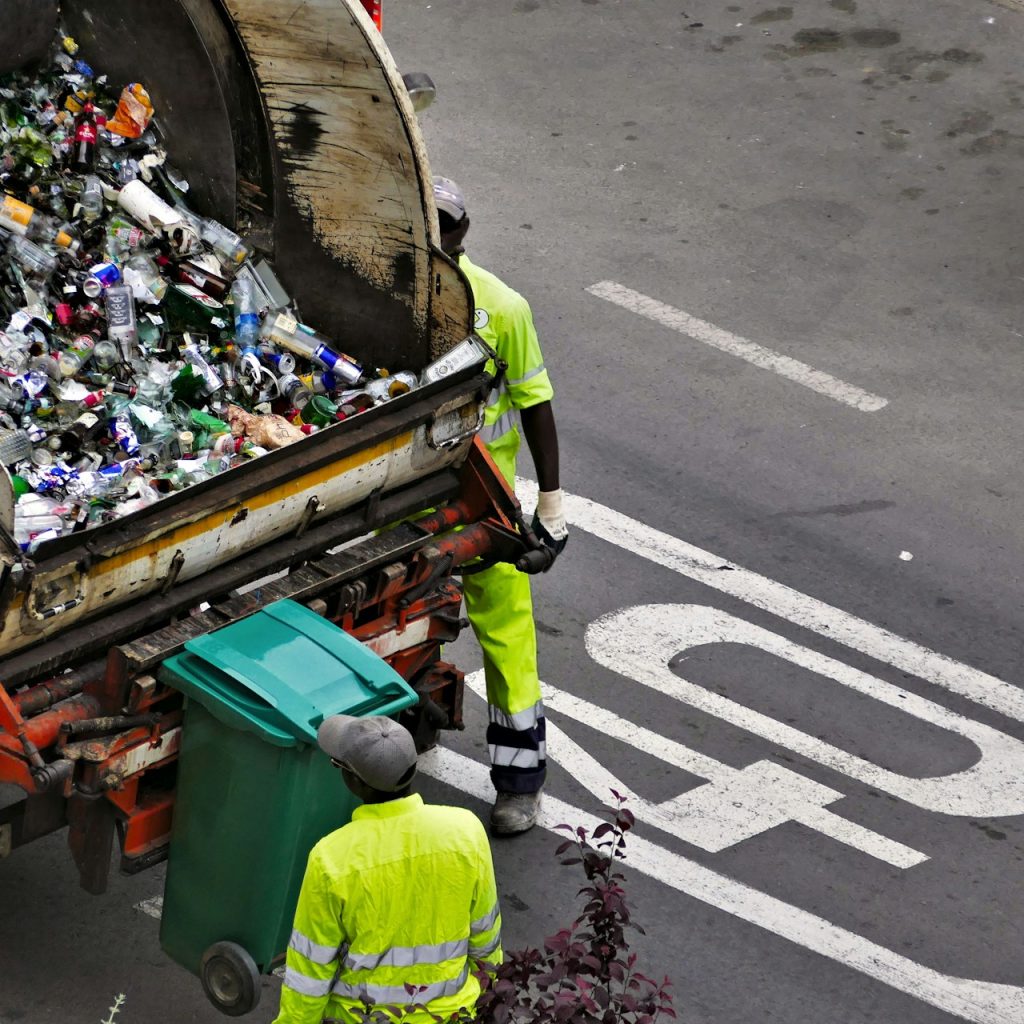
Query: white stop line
point(639, 642)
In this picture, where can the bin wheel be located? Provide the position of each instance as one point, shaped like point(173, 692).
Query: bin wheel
point(230, 978)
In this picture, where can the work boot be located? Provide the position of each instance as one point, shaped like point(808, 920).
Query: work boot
point(513, 813)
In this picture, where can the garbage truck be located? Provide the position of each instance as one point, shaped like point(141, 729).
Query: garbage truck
point(293, 121)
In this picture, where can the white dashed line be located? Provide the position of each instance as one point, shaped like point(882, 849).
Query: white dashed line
point(733, 344)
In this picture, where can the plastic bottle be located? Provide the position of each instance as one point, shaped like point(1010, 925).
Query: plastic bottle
point(212, 381)
point(35, 260)
point(106, 354)
point(247, 326)
point(247, 321)
point(91, 199)
point(121, 325)
point(143, 275)
point(286, 332)
point(76, 355)
point(224, 242)
point(27, 221)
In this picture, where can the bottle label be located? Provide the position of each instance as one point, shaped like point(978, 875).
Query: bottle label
point(16, 214)
point(85, 132)
point(286, 324)
point(201, 297)
point(119, 309)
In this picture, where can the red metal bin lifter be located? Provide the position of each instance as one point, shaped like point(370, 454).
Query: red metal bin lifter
point(95, 748)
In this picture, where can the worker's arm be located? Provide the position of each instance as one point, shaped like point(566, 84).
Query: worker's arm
point(312, 959)
point(530, 390)
point(542, 438)
point(485, 926)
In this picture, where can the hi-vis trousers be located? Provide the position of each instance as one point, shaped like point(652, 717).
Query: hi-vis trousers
point(500, 609)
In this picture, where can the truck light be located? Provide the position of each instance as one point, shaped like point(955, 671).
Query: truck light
point(375, 9)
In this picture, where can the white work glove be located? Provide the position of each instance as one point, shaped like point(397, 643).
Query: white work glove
point(549, 521)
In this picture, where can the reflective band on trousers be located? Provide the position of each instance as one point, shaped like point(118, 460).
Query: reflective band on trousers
point(490, 432)
point(311, 950)
point(486, 923)
point(520, 721)
point(397, 994)
point(527, 376)
point(408, 956)
point(305, 985)
point(516, 757)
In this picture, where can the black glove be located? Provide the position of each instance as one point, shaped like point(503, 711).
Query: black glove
point(556, 547)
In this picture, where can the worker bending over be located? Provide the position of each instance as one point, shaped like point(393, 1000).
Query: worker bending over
point(402, 895)
point(498, 600)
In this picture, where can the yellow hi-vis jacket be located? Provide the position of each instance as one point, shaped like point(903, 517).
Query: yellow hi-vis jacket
point(504, 320)
point(402, 895)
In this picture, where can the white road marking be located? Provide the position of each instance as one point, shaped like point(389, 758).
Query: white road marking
point(980, 1002)
point(639, 643)
point(153, 907)
point(721, 575)
point(734, 805)
point(725, 341)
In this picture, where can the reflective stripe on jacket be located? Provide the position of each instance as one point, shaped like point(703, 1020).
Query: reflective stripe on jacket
point(503, 319)
point(404, 895)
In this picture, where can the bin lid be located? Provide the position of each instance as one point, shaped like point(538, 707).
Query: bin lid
point(281, 672)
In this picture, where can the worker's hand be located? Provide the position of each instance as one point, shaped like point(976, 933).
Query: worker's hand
point(549, 522)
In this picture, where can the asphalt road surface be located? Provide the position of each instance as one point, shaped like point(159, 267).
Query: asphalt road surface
point(774, 257)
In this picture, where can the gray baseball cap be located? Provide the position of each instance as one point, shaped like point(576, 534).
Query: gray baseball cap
point(448, 197)
point(375, 749)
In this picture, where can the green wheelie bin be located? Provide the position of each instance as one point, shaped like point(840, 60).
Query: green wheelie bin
point(254, 791)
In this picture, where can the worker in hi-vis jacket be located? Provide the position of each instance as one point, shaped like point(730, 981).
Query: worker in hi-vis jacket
point(402, 897)
point(498, 600)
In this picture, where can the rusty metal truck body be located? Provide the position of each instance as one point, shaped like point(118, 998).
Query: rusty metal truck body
point(292, 123)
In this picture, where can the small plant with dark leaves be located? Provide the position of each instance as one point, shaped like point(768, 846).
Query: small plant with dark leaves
point(585, 974)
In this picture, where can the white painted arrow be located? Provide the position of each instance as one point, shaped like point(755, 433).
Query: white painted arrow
point(981, 1002)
